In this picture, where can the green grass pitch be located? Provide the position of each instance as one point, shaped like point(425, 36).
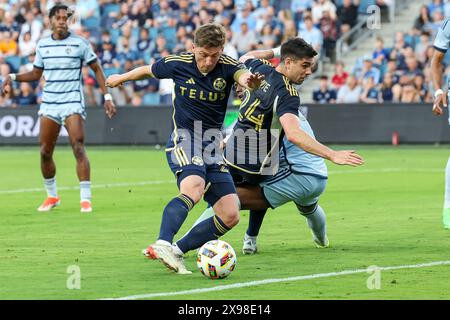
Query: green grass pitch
point(386, 213)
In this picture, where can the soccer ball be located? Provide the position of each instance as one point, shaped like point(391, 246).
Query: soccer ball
point(216, 259)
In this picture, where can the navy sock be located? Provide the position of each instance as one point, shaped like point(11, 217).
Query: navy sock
point(173, 217)
point(209, 229)
point(255, 221)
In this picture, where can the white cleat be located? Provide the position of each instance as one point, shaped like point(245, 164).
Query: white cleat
point(249, 246)
point(165, 254)
point(49, 204)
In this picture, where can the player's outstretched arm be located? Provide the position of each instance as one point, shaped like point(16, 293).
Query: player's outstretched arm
point(139, 73)
point(109, 106)
point(440, 96)
point(300, 138)
point(30, 76)
point(263, 54)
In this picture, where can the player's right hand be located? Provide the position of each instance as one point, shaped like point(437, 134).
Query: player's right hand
point(113, 81)
point(440, 102)
point(347, 157)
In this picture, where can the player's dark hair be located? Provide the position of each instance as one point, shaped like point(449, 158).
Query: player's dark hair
point(210, 35)
point(57, 7)
point(297, 48)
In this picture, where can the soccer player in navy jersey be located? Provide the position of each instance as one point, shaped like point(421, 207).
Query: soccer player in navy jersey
point(202, 83)
point(265, 177)
point(60, 58)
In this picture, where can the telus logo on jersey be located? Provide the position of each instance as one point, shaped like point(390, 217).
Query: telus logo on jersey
point(219, 85)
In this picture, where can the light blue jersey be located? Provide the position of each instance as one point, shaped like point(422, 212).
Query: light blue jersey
point(442, 44)
point(61, 61)
point(299, 160)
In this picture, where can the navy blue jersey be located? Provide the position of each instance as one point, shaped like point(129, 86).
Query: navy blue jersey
point(259, 113)
point(198, 97)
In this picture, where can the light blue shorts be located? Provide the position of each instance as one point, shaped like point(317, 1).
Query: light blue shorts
point(302, 188)
point(59, 113)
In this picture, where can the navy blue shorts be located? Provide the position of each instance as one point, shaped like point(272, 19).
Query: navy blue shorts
point(218, 180)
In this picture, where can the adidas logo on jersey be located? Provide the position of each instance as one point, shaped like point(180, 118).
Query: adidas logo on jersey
point(190, 81)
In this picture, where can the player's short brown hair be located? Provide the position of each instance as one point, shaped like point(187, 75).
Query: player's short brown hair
point(210, 35)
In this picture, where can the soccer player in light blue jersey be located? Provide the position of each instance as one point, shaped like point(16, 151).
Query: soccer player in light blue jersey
point(441, 45)
point(60, 58)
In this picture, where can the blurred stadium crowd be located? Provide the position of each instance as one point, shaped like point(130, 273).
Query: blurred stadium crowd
point(126, 34)
point(399, 73)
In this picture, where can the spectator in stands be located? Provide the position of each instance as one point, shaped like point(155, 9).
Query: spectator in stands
point(329, 31)
point(340, 75)
point(32, 25)
point(267, 38)
point(25, 96)
point(290, 31)
point(347, 15)
point(127, 53)
point(324, 94)
point(319, 7)
point(244, 40)
point(434, 25)
point(370, 93)
point(386, 88)
point(8, 46)
point(368, 70)
point(260, 14)
point(421, 88)
point(381, 54)
point(298, 7)
point(423, 19)
point(186, 21)
point(350, 92)
point(398, 52)
point(165, 91)
point(89, 87)
point(5, 70)
point(311, 34)
point(243, 16)
point(436, 5)
point(108, 56)
point(26, 45)
point(229, 49)
point(422, 46)
point(158, 47)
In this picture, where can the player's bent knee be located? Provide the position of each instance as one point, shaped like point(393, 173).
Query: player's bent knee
point(230, 217)
point(305, 210)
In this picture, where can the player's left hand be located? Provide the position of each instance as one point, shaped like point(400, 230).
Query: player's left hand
point(110, 108)
point(347, 157)
point(254, 80)
point(439, 102)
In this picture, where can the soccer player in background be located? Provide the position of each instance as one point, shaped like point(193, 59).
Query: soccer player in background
point(202, 83)
point(441, 45)
point(302, 173)
point(60, 58)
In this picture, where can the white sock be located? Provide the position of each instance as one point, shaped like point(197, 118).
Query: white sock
point(163, 242)
point(447, 185)
point(177, 250)
point(50, 187)
point(85, 190)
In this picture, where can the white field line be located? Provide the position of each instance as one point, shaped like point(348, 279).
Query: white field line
point(277, 280)
point(94, 186)
point(145, 183)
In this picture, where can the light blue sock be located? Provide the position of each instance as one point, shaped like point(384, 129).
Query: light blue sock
point(85, 190)
point(317, 222)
